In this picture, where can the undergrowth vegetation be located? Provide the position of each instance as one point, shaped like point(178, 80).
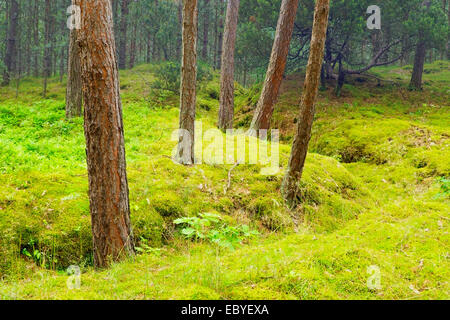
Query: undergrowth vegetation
point(375, 191)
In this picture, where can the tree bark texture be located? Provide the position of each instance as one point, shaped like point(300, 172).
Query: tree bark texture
point(103, 126)
point(74, 94)
point(277, 65)
point(226, 109)
point(185, 149)
point(11, 44)
point(123, 29)
point(307, 108)
point(205, 31)
point(419, 61)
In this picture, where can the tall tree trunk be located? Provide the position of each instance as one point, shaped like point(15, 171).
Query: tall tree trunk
point(220, 36)
point(180, 21)
point(419, 61)
point(277, 64)
point(123, 34)
point(205, 31)
point(226, 109)
point(36, 39)
point(133, 45)
point(216, 33)
point(47, 48)
point(185, 150)
point(307, 108)
point(103, 125)
point(340, 80)
point(74, 95)
point(448, 38)
point(11, 45)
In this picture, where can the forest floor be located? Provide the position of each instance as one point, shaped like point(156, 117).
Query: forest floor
point(373, 222)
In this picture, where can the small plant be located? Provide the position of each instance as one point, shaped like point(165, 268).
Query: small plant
point(445, 187)
point(145, 248)
point(168, 77)
point(211, 227)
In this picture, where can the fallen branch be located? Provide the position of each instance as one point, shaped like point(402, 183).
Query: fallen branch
point(227, 187)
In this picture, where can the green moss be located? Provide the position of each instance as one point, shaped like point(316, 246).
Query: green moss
point(194, 292)
point(376, 201)
point(168, 205)
point(257, 292)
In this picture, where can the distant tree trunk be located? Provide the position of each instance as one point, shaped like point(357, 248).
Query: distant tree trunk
point(226, 109)
point(47, 48)
point(105, 150)
point(133, 45)
point(74, 95)
point(123, 28)
point(448, 38)
point(180, 36)
point(185, 150)
point(277, 64)
point(220, 36)
point(36, 38)
point(216, 33)
point(205, 31)
point(419, 61)
point(376, 42)
point(307, 108)
point(11, 45)
point(341, 79)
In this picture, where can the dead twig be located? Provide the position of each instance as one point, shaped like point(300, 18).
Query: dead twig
point(227, 187)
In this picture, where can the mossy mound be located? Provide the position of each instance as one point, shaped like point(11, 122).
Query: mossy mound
point(330, 195)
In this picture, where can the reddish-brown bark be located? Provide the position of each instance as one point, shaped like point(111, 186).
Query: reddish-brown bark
point(226, 109)
point(103, 126)
point(277, 64)
point(185, 149)
point(307, 108)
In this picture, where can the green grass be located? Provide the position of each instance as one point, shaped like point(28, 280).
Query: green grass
point(373, 193)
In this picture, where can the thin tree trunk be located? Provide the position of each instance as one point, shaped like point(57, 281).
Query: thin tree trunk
point(205, 31)
point(47, 48)
point(277, 64)
point(307, 108)
point(220, 36)
point(36, 38)
point(105, 149)
point(133, 46)
point(419, 61)
point(185, 150)
point(216, 33)
point(123, 34)
point(226, 109)
point(11, 45)
point(180, 20)
point(448, 38)
point(74, 96)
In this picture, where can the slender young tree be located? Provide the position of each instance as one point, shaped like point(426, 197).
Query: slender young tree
point(123, 29)
point(220, 34)
point(307, 108)
point(185, 149)
point(206, 13)
point(47, 44)
point(74, 95)
point(277, 64)
point(226, 109)
point(419, 62)
point(11, 44)
point(103, 126)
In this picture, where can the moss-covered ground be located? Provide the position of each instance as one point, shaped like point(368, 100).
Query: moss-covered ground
point(375, 193)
